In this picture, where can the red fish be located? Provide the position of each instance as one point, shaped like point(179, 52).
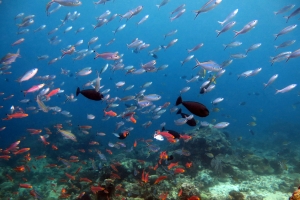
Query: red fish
point(188, 164)
point(163, 196)
point(21, 151)
point(34, 131)
point(19, 169)
point(180, 192)
point(114, 168)
point(54, 147)
point(135, 143)
point(40, 157)
point(159, 179)
point(44, 140)
point(5, 157)
point(110, 113)
point(17, 115)
point(179, 171)
point(27, 186)
point(52, 92)
point(70, 176)
point(171, 165)
point(96, 189)
point(85, 180)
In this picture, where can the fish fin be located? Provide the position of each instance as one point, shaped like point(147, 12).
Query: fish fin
point(178, 101)
point(276, 36)
point(276, 47)
point(275, 13)
point(77, 91)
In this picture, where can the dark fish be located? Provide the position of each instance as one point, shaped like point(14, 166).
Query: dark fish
point(174, 133)
point(170, 157)
point(85, 197)
point(191, 122)
point(252, 133)
point(90, 94)
point(153, 55)
point(242, 103)
point(194, 107)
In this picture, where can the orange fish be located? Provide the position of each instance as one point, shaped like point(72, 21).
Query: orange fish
point(135, 143)
point(145, 177)
point(165, 134)
point(17, 115)
point(163, 156)
point(188, 164)
point(193, 198)
point(186, 138)
point(180, 192)
point(179, 171)
point(110, 113)
point(155, 167)
point(27, 186)
point(21, 151)
point(52, 92)
point(171, 165)
point(159, 179)
point(20, 169)
point(132, 119)
point(63, 191)
point(163, 196)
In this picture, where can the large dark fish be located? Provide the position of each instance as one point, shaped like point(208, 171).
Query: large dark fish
point(194, 107)
point(90, 94)
point(174, 133)
point(191, 122)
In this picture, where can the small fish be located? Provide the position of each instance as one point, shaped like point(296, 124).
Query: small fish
point(286, 89)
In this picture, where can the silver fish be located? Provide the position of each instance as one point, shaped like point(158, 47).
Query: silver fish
point(226, 28)
point(286, 89)
point(285, 30)
point(246, 28)
point(271, 80)
point(229, 17)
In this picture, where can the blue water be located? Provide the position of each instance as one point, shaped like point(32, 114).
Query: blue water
point(269, 109)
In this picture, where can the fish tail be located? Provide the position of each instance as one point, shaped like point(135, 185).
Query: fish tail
point(218, 32)
point(236, 33)
point(221, 23)
point(265, 85)
point(277, 91)
point(77, 91)
point(276, 36)
point(178, 101)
